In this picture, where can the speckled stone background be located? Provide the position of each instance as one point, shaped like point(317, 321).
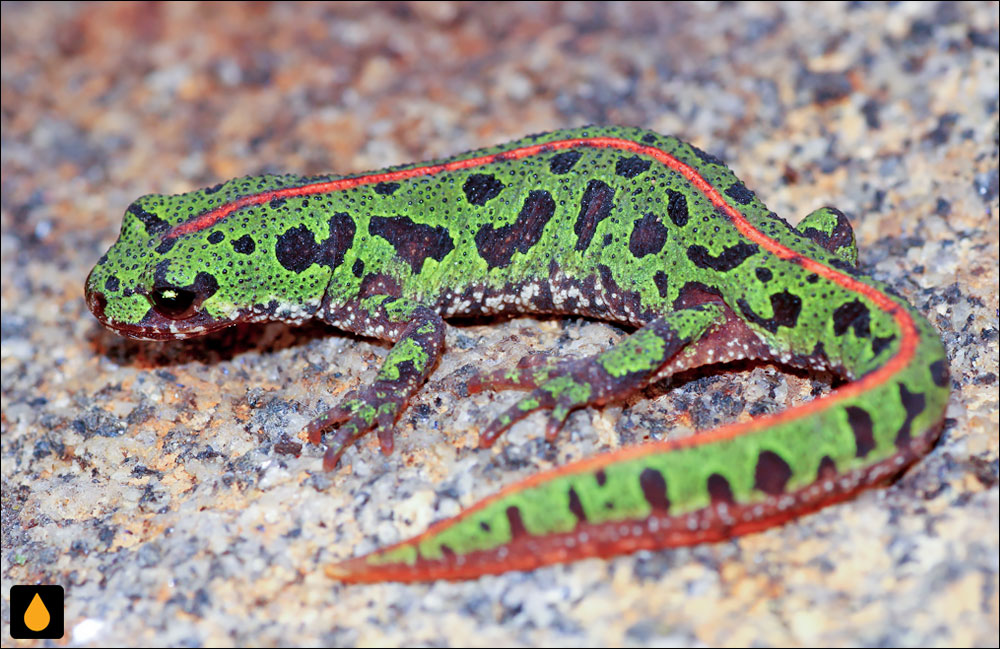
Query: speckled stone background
point(168, 486)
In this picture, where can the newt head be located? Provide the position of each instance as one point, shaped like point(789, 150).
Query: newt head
point(151, 285)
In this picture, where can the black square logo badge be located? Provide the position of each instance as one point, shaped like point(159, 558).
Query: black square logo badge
point(36, 612)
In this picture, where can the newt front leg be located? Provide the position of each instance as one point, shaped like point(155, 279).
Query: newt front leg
point(418, 333)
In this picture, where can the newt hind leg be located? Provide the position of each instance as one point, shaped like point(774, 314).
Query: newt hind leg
point(559, 387)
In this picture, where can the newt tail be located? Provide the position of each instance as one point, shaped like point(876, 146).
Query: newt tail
point(734, 480)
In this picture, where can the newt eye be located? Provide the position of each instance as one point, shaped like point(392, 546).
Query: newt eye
point(174, 303)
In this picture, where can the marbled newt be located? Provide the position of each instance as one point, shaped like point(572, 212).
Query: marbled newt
point(617, 224)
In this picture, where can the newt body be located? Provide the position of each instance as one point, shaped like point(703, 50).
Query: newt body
point(612, 223)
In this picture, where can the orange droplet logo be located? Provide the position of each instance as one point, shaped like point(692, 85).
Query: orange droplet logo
point(36, 617)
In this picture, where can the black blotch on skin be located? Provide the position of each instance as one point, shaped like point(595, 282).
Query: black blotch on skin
point(414, 242)
point(358, 269)
point(914, 404)
point(694, 294)
point(852, 315)
point(561, 163)
point(601, 477)
point(484, 526)
point(244, 245)
point(631, 167)
point(575, 506)
point(827, 469)
point(879, 343)
point(498, 245)
point(648, 138)
point(213, 188)
point(111, 283)
point(648, 236)
point(166, 245)
point(379, 284)
point(706, 157)
point(595, 206)
point(296, 249)
point(662, 283)
point(862, 427)
point(480, 188)
point(385, 189)
point(341, 239)
point(160, 273)
point(654, 489)
point(719, 490)
point(727, 260)
point(847, 269)
point(763, 274)
point(677, 207)
point(153, 223)
point(939, 373)
point(517, 528)
point(772, 473)
point(216, 237)
point(447, 551)
point(739, 193)
point(276, 203)
point(786, 307)
point(205, 285)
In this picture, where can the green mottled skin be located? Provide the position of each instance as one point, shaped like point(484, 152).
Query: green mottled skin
point(603, 231)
